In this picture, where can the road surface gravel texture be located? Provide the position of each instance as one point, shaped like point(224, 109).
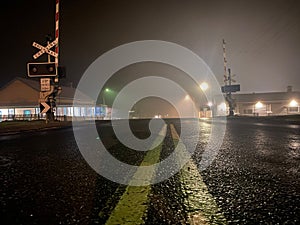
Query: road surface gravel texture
point(255, 178)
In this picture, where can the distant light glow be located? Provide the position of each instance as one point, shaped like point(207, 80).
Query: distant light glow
point(222, 107)
point(209, 104)
point(293, 103)
point(204, 118)
point(187, 97)
point(204, 86)
point(259, 105)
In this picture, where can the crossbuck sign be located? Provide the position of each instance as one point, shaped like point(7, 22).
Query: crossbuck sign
point(45, 49)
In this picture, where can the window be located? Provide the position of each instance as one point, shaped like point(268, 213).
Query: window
point(293, 109)
point(248, 111)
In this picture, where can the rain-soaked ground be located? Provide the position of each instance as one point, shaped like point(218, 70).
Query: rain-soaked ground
point(255, 179)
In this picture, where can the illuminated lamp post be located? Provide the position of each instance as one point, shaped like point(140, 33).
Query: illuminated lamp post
point(106, 90)
point(204, 87)
point(257, 106)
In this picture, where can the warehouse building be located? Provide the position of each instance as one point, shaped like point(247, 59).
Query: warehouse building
point(268, 104)
point(256, 104)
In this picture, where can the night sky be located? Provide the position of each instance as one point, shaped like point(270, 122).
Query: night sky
point(263, 37)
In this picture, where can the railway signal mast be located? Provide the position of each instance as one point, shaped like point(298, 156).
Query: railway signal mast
point(228, 88)
point(49, 72)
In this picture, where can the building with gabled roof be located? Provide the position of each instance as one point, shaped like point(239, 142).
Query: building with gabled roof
point(19, 98)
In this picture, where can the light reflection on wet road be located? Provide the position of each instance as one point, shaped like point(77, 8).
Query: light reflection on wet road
point(255, 178)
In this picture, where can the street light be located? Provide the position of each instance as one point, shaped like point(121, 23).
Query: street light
point(189, 105)
point(106, 90)
point(187, 97)
point(204, 86)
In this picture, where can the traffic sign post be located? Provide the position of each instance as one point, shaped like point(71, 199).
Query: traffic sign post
point(49, 72)
point(45, 84)
point(44, 107)
point(230, 88)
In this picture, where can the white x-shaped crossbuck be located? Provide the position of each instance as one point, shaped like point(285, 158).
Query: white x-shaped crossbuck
point(45, 49)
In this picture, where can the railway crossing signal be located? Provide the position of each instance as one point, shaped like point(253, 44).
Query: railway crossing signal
point(228, 88)
point(49, 72)
point(45, 49)
point(43, 69)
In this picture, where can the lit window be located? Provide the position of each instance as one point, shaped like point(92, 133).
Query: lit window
point(293, 109)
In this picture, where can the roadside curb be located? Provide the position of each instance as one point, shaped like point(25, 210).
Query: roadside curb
point(33, 130)
point(40, 127)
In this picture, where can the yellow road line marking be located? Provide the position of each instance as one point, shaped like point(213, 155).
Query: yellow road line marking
point(132, 206)
point(202, 208)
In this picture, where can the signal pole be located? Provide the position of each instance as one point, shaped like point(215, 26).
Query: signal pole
point(228, 88)
point(57, 32)
point(49, 72)
point(55, 82)
point(225, 62)
point(229, 98)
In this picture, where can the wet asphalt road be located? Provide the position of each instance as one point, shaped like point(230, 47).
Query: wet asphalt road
point(255, 178)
